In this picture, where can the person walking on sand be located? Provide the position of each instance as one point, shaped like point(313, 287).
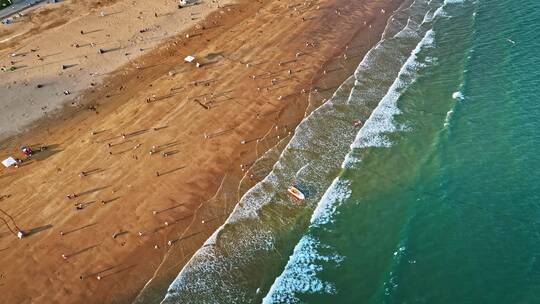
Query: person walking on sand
point(72, 195)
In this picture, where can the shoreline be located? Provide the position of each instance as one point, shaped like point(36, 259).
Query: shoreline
point(155, 290)
point(214, 208)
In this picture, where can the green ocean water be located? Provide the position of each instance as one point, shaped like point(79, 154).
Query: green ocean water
point(450, 211)
point(434, 200)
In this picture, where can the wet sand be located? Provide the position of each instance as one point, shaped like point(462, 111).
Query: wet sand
point(262, 67)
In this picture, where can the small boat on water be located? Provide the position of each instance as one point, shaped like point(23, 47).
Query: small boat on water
point(296, 194)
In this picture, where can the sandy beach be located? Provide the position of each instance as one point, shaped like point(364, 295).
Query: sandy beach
point(58, 51)
point(147, 154)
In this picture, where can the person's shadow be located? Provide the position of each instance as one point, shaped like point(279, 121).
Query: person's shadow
point(37, 229)
point(42, 152)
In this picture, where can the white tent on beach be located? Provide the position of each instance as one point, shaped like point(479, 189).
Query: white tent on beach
point(8, 162)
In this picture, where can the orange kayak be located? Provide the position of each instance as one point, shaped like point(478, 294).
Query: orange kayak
point(295, 193)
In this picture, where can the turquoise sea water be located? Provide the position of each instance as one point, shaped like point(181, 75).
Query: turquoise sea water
point(434, 200)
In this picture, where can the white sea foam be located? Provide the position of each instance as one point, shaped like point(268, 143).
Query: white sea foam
point(428, 17)
point(411, 29)
point(228, 248)
point(338, 192)
point(392, 282)
point(381, 121)
point(448, 118)
point(300, 274)
point(442, 12)
point(417, 13)
point(458, 95)
point(237, 245)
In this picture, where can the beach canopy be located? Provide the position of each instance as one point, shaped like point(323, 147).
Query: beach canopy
point(8, 162)
point(189, 58)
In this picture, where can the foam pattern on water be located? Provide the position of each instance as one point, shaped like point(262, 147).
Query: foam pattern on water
point(245, 254)
point(300, 279)
point(300, 274)
point(245, 245)
point(381, 120)
point(338, 192)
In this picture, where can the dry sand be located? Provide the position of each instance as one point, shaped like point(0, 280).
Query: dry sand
point(202, 124)
point(49, 37)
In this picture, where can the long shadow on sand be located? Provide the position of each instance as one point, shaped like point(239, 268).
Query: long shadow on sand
point(117, 271)
point(38, 229)
point(49, 151)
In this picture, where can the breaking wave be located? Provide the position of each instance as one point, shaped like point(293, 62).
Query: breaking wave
point(244, 258)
